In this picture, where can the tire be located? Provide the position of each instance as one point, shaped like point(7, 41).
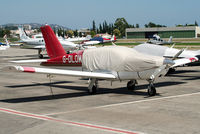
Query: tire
point(94, 90)
point(40, 56)
point(171, 70)
point(130, 85)
point(151, 90)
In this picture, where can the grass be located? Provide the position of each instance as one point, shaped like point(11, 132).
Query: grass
point(188, 44)
point(121, 44)
point(10, 39)
point(133, 44)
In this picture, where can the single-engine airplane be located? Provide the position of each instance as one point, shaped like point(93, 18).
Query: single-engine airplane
point(98, 40)
point(158, 41)
point(108, 63)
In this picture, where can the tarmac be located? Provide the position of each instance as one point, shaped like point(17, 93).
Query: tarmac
point(30, 103)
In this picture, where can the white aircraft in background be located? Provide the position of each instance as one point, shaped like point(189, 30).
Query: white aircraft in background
point(167, 52)
point(158, 41)
point(108, 63)
point(39, 44)
point(88, 37)
point(4, 46)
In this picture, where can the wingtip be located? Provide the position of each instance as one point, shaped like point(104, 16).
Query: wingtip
point(12, 68)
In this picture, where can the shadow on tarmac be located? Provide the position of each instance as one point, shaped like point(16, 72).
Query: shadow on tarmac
point(83, 92)
point(180, 74)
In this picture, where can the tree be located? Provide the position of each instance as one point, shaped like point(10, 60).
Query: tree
point(93, 26)
point(151, 24)
point(4, 31)
point(121, 24)
point(92, 33)
point(80, 34)
point(7, 32)
point(110, 28)
point(117, 33)
point(59, 32)
point(70, 33)
point(179, 25)
point(105, 27)
point(131, 26)
point(137, 26)
point(100, 28)
point(76, 33)
point(196, 24)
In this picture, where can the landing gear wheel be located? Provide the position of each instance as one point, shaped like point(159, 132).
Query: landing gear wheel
point(171, 70)
point(131, 85)
point(151, 90)
point(40, 56)
point(94, 90)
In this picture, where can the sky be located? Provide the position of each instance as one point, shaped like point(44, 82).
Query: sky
point(76, 14)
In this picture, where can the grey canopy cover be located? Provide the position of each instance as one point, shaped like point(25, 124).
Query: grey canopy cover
point(118, 58)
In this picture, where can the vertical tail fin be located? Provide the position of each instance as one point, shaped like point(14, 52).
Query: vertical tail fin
point(170, 39)
point(6, 40)
point(53, 46)
point(113, 38)
point(22, 34)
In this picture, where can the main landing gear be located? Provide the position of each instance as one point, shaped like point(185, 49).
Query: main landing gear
point(131, 84)
point(39, 54)
point(151, 90)
point(93, 86)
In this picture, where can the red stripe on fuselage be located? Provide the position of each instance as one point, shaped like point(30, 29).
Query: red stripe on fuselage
point(73, 59)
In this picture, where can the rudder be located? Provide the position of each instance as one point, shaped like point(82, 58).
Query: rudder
point(53, 46)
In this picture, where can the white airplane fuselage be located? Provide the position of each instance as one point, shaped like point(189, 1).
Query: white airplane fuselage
point(39, 43)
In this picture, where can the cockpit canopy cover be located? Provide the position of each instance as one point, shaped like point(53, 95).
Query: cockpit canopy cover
point(118, 58)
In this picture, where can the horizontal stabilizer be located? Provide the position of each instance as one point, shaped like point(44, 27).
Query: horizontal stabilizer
point(40, 47)
point(29, 61)
point(184, 61)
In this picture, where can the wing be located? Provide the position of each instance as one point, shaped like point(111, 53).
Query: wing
point(100, 75)
point(40, 47)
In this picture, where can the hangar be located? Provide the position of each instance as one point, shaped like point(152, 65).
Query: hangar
point(164, 32)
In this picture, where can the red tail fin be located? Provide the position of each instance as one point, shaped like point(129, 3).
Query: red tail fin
point(53, 46)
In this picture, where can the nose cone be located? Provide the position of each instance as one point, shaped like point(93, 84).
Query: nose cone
point(168, 62)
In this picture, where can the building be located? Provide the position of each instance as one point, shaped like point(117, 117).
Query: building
point(84, 31)
point(164, 32)
point(27, 27)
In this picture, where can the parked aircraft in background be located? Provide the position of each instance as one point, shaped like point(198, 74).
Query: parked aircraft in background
point(167, 52)
point(108, 63)
point(98, 40)
point(158, 41)
point(4, 46)
point(39, 44)
point(74, 39)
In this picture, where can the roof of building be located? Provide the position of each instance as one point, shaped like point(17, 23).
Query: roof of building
point(188, 28)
